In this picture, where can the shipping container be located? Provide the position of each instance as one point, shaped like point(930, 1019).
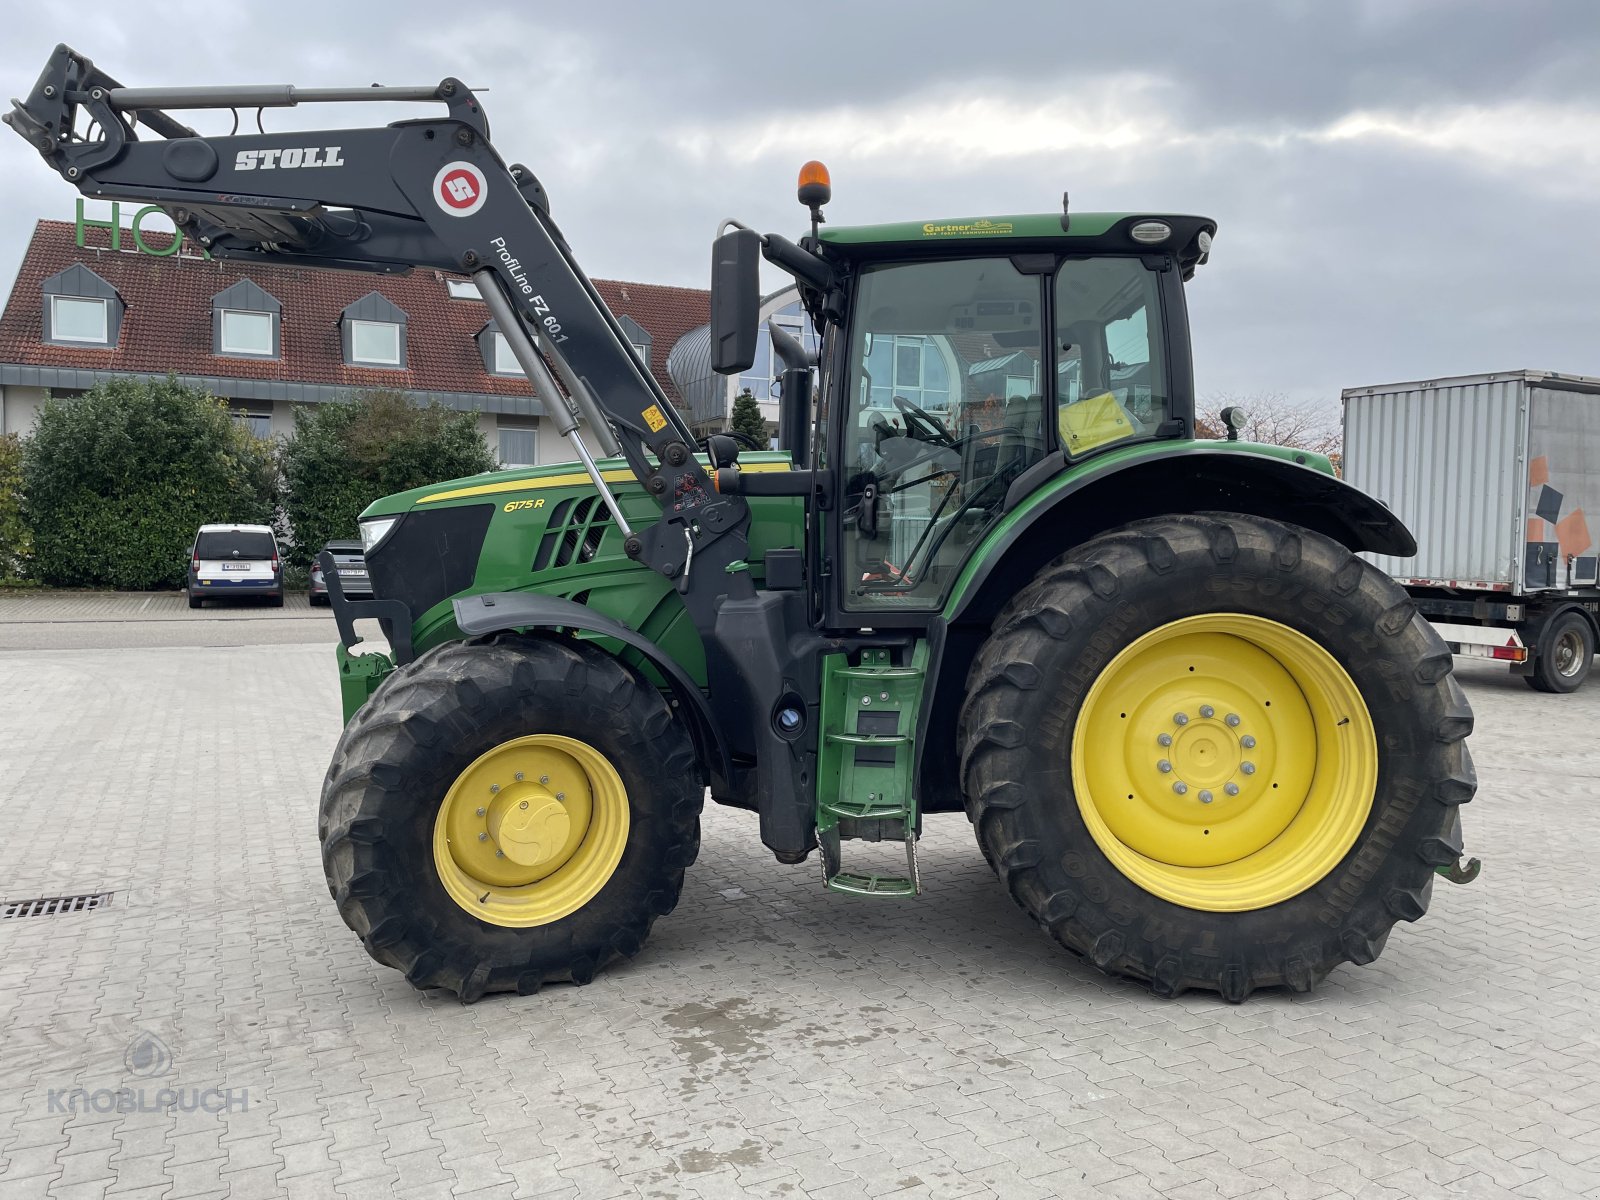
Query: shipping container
point(1498, 477)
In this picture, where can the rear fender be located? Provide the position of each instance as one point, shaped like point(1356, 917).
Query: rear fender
point(500, 612)
point(1052, 512)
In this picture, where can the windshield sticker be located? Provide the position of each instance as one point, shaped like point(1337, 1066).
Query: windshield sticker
point(968, 228)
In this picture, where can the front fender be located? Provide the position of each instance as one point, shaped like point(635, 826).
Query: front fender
point(498, 612)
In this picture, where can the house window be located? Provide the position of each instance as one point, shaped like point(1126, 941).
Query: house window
point(259, 424)
point(376, 342)
point(642, 349)
point(517, 447)
point(505, 362)
point(246, 333)
point(462, 289)
point(78, 319)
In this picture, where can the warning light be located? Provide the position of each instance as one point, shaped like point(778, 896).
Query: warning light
point(816, 189)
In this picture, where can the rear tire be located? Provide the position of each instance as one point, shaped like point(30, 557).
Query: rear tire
point(1060, 639)
point(1563, 656)
point(195, 601)
point(392, 790)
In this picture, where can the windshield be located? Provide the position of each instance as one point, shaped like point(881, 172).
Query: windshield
point(226, 544)
point(946, 409)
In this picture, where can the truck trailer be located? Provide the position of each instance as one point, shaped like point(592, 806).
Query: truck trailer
point(1498, 476)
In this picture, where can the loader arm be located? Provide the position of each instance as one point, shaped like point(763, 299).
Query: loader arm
point(417, 193)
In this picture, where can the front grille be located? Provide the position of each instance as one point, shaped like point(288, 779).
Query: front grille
point(575, 531)
point(431, 555)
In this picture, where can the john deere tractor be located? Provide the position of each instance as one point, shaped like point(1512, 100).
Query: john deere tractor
point(990, 569)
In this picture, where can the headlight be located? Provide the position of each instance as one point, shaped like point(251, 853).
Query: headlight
point(1151, 233)
point(374, 531)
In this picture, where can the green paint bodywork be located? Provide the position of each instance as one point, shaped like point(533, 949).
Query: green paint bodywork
point(1104, 464)
point(610, 582)
point(613, 584)
point(1032, 226)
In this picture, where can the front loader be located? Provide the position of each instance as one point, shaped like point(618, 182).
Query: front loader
point(991, 568)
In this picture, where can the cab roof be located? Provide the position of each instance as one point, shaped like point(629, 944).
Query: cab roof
point(1087, 233)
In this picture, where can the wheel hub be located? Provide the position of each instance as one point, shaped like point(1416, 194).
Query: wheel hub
point(531, 830)
point(1222, 760)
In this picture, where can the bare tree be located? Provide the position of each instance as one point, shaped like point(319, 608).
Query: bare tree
point(1274, 419)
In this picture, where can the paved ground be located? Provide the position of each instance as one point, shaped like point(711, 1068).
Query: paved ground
point(771, 1039)
point(117, 620)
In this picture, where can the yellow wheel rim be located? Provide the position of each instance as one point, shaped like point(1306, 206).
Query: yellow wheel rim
point(531, 831)
point(1224, 762)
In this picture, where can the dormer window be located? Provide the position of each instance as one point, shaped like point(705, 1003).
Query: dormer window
point(638, 337)
point(373, 331)
point(80, 309)
point(245, 332)
point(496, 351)
point(462, 289)
point(78, 319)
point(245, 322)
point(375, 342)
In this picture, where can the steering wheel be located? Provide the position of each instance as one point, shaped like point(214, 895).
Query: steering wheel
point(928, 427)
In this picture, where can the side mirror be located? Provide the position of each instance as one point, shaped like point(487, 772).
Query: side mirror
point(735, 300)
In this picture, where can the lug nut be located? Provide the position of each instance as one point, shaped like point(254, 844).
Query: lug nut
point(1249, 768)
point(499, 853)
point(561, 795)
point(1163, 766)
point(1206, 797)
point(1180, 718)
point(493, 788)
point(1232, 719)
point(1231, 788)
point(1248, 742)
point(1180, 787)
point(1164, 739)
point(1207, 711)
point(518, 777)
point(483, 837)
point(544, 779)
point(481, 811)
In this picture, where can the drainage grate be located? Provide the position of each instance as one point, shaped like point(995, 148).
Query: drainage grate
point(52, 906)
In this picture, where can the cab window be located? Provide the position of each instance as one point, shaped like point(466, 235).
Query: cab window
point(1110, 385)
point(947, 406)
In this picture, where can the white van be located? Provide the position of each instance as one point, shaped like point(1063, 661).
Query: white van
point(235, 560)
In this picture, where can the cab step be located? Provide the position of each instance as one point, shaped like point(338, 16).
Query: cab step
point(869, 714)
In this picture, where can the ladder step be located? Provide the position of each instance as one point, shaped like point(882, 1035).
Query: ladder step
point(869, 739)
point(872, 885)
point(878, 672)
point(866, 810)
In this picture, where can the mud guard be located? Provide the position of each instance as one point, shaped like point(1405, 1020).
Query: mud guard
point(498, 612)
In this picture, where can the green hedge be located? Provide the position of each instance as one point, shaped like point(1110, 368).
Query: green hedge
point(342, 457)
point(116, 481)
point(15, 540)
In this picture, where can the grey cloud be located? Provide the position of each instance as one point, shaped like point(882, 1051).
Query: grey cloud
point(1338, 262)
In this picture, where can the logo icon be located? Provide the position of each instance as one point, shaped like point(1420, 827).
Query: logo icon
point(460, 189)
point(147, 1056)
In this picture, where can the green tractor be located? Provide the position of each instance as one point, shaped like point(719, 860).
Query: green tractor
point(991, 569)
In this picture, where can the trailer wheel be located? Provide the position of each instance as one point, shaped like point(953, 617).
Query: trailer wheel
point(1216, 752)
point(509, 813)
point(1564, 654)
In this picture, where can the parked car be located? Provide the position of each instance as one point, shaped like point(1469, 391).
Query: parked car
point(352, 570)
point(234, 560)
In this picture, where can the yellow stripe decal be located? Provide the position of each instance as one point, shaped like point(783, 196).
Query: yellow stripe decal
point(571, 479)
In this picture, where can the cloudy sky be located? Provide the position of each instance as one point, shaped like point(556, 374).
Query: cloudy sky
point(1405, 188)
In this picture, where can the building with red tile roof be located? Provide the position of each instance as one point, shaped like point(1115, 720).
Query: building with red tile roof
point(94, 300)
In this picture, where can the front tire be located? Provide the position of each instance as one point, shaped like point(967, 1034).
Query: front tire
point(505, 814)
point(1141, 797)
